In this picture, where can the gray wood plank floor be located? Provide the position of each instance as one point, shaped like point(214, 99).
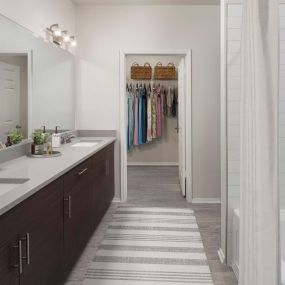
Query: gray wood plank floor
point(159, 186)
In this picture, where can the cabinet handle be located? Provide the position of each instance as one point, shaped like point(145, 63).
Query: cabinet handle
point(68, 199)
point(20, 265)
point(81, 172)
point(107, 167)
point(27, 240)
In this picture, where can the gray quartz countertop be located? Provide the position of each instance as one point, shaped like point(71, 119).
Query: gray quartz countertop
point(42, 171)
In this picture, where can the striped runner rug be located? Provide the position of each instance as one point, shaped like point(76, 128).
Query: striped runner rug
point(144, 246)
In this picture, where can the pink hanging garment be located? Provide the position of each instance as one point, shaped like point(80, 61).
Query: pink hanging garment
point(149, 115)
point(136, 127)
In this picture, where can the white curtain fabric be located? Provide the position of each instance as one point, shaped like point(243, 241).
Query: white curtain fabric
point(259, 145)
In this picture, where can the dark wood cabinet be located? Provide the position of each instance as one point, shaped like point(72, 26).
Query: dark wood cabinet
point(77, 205)
point(42, 238)
point(9, 249)
point(32, 239)
point(88, 193)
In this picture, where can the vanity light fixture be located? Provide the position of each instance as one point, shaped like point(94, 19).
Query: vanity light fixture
point(61, 38)
point(56, 31)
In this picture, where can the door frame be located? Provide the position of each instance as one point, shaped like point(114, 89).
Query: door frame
point(187, 54)
point(29, 54)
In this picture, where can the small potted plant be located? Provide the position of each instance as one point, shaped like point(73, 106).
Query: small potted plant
point(39, 139)
point(15, 136)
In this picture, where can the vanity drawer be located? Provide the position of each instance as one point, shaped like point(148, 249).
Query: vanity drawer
point(80, 173)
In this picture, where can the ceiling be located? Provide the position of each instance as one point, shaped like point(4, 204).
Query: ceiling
point(148, 2)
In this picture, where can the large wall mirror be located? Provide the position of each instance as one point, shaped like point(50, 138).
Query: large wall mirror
point(37, 82)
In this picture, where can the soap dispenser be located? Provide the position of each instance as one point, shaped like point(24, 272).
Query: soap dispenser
point(56, 142)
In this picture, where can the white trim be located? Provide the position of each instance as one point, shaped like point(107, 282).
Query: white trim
point(206, 201)
point(234, 1)
point(235, 268)
point(153, 163)
point(116, 200)
point(221, 255)
point(122, 133)
point(223, 132)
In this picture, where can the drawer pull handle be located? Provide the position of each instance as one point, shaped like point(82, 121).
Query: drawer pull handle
point(20, 265)
point(81, 172)
point(68, 199)
point(27, 240)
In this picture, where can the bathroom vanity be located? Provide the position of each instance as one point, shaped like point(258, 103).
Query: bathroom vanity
point(47, 220)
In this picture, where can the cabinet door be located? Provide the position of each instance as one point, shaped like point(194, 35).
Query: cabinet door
point(42, 237)
point(9, 250)
point(109, 179)
point(106, 189)
point(77, 213)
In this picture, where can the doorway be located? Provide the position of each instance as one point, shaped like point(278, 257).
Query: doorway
point(183, 122)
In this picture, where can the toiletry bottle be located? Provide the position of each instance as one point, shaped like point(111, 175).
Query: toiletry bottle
point(8, 142)
point(49, 145)
point(45, 143)
point(56, 141)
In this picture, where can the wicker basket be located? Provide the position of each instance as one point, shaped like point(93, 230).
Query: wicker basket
point(164, 72)
point(141, 72)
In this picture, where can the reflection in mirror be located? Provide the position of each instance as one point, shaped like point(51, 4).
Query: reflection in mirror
point(50, 95)
point(13, 96)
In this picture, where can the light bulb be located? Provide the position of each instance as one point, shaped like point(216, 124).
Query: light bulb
point(73, 41)
point(65, 36)
point(57, 32)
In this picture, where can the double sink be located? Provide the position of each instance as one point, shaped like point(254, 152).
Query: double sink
point(8, 184)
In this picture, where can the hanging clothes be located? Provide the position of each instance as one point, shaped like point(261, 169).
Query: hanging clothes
point(149, 115)
point(158, 113)
point(140, 131)
point(174, 105)
point(136, 117)
point(153, 113)
point(147, 107)
point(130, 119)
point(144, 115)
point(169, 99)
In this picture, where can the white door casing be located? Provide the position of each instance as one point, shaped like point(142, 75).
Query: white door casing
point(9, 98)
point(186, 54)
point(181, 127)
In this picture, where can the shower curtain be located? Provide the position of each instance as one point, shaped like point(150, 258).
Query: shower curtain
point(259, 146)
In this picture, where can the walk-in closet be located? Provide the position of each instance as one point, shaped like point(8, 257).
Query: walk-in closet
point(154, 146)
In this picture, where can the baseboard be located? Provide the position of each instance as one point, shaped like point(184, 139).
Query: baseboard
point(116, 200)
point(153, 164)
point(206, 201)
point(221, 256)
point(235, 268)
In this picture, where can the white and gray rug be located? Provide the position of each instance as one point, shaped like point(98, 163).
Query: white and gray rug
point(144, 246)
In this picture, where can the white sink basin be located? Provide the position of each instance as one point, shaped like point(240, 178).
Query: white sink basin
point(4, 188)
point(85, 144)
point(8, 184)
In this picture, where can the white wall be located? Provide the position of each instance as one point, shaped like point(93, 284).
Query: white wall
point(104, 30)
point(37, 15)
